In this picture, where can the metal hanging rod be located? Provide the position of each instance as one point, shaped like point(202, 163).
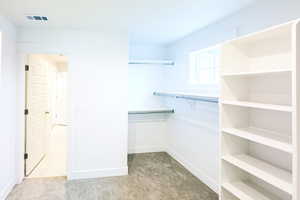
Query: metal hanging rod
point(151, 62)
point(188, 96)
point(156, 111)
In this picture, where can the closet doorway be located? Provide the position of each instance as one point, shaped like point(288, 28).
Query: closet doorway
point(45, 115)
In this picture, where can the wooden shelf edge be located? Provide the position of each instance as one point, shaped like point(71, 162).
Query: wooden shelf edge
point(247, 191)
point(257, 105)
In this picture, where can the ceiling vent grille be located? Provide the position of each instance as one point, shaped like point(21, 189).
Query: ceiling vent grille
point(37, 18)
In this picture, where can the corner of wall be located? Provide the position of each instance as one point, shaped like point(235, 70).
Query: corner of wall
point(9, 111)
point(196, 172)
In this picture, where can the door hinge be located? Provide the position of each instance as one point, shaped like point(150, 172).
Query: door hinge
point(26, 67)
point(25, 156)
point(26, 112)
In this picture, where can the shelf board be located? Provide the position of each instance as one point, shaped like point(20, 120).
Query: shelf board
point(151, 111)
point(273, 33)
point(280, 178)
point(259, 105)
point(242, 74)
point(262, 136)
point(247, 191)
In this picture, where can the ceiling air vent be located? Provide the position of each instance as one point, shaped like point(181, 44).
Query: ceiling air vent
point(37, 18)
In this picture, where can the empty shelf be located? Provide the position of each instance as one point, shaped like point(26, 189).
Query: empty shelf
point(259, 105)
point(257, 73)
point(248, 191)
point(151, 111)
point(280, 178)
point(262, 136)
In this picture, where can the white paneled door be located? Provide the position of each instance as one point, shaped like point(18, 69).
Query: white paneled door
point(37, 117)
point(61, 98)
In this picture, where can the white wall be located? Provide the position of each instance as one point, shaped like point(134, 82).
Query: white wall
point(146, 133)
point(192, 138)
point(143, 81)
point(98, 80)
point(8, 114)
point(146, 52)
point(196, 146)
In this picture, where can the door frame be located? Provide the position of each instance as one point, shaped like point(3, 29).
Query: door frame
point(21, 102)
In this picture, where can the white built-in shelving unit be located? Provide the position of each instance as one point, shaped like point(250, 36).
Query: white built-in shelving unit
point(259, 115)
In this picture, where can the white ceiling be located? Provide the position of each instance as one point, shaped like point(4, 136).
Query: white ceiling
point(148, 21)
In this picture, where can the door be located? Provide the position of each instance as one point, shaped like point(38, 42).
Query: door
point(36, 119)
point(61, 96)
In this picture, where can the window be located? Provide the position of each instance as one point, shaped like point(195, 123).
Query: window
point(204, 66)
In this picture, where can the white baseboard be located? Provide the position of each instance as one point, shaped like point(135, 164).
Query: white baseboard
point(146, 149)
point(98, 173)
point(212, 184)
point(6, 190)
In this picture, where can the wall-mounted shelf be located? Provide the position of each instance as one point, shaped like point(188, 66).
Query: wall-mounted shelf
point(264, 137)
point(248, 191)
point(151, 111)
point(278, 177)
point(151, 62)
point(259, 105)
point(189, 96)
